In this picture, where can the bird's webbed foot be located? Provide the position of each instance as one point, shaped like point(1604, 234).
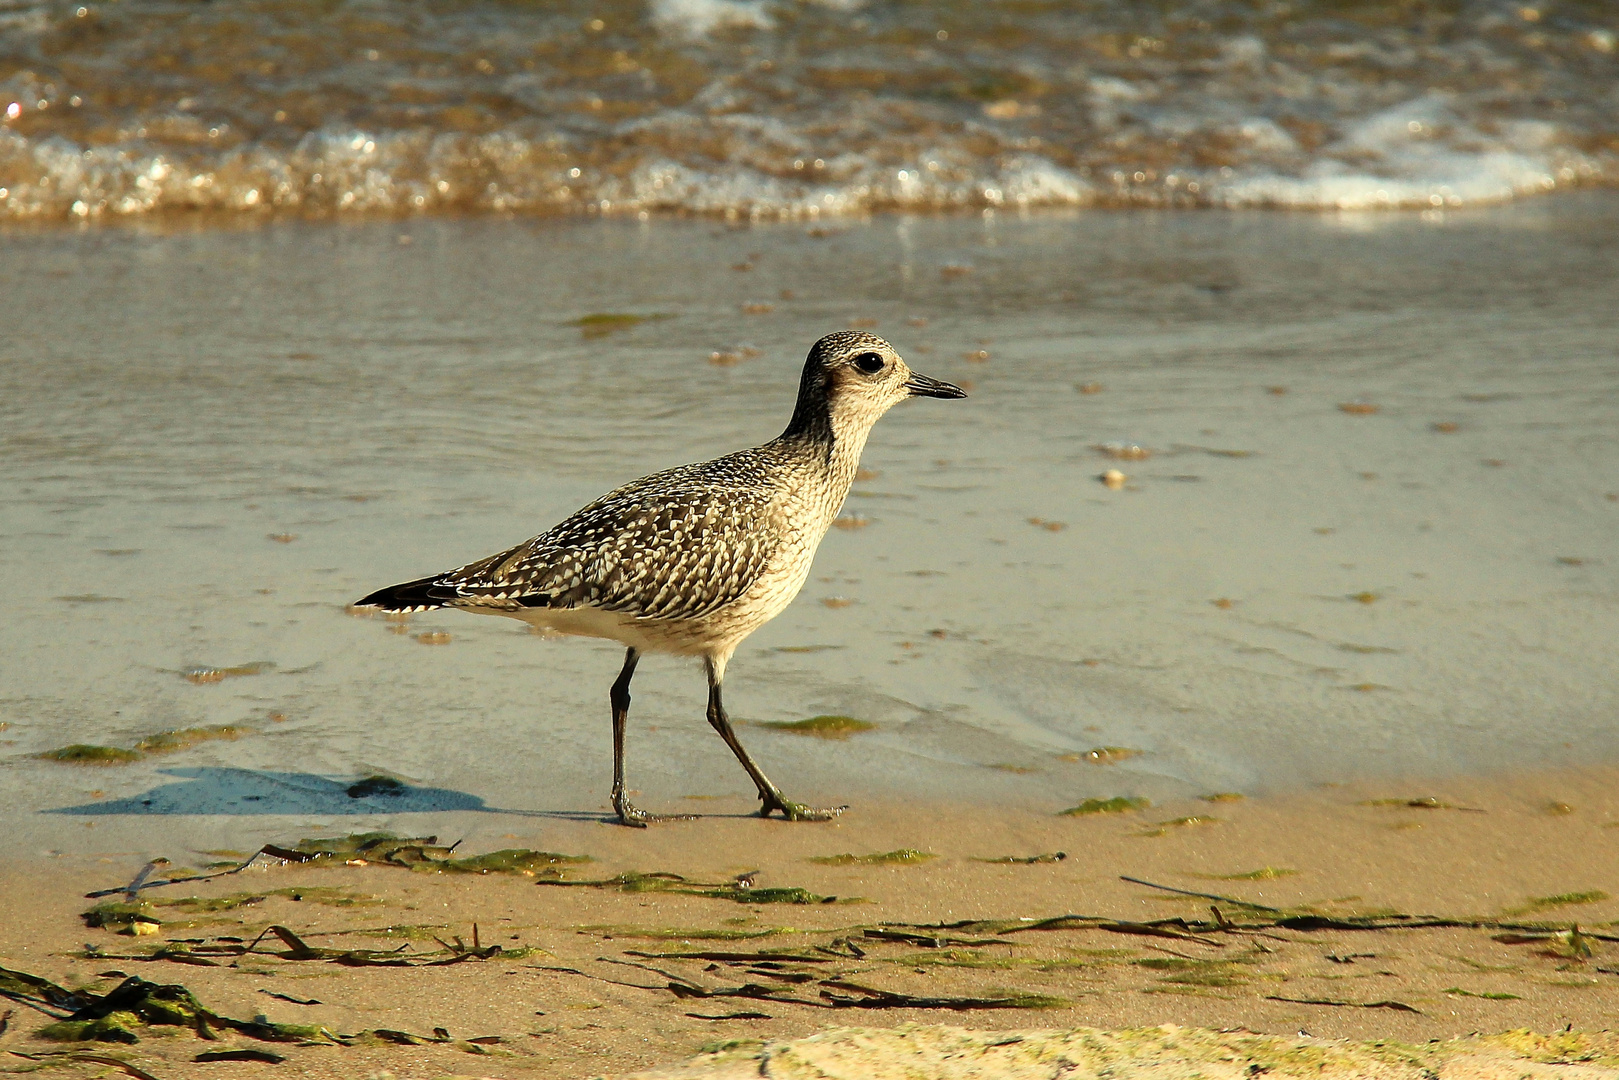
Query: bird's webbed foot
point(771, 801)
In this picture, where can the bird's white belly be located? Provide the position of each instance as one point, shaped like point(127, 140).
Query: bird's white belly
point(643, 634)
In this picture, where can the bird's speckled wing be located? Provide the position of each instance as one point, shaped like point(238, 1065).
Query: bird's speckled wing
point(675, 545)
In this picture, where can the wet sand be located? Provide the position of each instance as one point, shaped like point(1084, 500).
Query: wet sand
point(1534, 849)
point(211, 441)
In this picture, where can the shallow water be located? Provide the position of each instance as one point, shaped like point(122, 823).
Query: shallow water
point(796, 107)
point(211, 441)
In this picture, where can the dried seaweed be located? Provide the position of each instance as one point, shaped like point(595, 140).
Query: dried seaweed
point(1397, 1006)
point(836, 993)
point(737, 890)
point(206, 954)
point(119, 1014)
point(873, 998)
point(1459, 992)
point(124, 1013)
point(927, 941)
point(77, 1056)
point(1025, 860)
point(422, 853)
point(1426, 802)
point(240, 1055)
point(1199, 895)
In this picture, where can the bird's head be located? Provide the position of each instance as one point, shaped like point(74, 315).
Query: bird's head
point(856, 377)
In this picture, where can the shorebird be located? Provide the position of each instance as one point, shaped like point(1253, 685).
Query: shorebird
point(692, 560)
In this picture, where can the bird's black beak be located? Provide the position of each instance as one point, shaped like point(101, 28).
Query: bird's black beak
point(921, 386)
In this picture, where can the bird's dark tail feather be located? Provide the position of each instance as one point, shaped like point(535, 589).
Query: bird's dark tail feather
point(423, 594)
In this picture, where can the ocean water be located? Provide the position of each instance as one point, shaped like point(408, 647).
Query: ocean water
point(796, 108)
point(1369, 524)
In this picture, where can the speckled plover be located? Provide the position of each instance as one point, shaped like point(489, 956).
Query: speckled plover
point(693, 560)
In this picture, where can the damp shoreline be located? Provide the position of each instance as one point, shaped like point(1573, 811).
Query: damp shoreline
point(1238, 503)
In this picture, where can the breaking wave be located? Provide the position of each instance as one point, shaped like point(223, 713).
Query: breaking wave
point(778, 108)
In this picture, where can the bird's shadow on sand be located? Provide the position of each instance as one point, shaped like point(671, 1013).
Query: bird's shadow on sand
point(253, 792)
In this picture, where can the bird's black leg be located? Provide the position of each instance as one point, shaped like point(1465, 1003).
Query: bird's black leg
point(770, 795)
point(620, 698)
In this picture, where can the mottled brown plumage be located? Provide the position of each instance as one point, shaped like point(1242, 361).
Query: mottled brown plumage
point(692, 560)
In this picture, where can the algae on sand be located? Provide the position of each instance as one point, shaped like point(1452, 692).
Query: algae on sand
point(1119, 804)
point(1546, 903)
point(121, 916)
point(1024, 860)
point(900, 857)
point(601, 323)
point(86, 754)
point(164, 742)
point(123, 1012)
point(1264, 873)
point(423, 853)
point(126, 1012)
point(822, 727)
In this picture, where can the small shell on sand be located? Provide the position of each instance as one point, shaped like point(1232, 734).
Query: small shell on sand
point(1090, 388)
point(836, 601)
point(433, 637)
point(283, 538)
point(1113, 479)
point(1357, 408)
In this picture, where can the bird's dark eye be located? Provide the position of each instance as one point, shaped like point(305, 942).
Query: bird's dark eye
point(870, 363)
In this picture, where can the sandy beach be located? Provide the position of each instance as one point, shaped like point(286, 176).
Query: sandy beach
point(623, 975)
point(1225, 689)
